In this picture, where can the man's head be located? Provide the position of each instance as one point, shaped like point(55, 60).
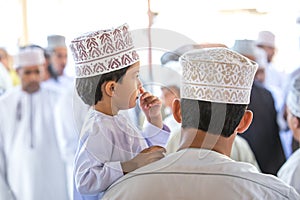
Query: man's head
point(266, 41)
point(58, 52)
point(102, 59)
point(29, 63)
point(215, 92)
point(293, 107)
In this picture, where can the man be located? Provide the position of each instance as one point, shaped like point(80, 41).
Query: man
point(58, 52)
point(274, 79)
point(216, 89)
point(266, 41)
point(31, 166)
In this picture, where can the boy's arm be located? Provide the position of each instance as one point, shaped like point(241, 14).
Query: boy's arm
point(94, 175)
point(155, 135)
point(93, 171)
point(145, 157)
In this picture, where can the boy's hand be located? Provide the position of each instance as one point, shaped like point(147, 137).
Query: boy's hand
point(145, 157)
point(151, 106)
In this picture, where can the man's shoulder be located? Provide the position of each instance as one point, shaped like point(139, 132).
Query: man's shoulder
point(203, 175)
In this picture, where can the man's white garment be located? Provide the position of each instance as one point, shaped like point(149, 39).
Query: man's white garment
point(273, 77)
point(199, 174)
point(241, 150)
point(105, 142)
point(290, 171)
point(33, 168)
point(62, 83)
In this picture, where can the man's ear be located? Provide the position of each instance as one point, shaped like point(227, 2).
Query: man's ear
point(294, 123)
point(176, 109)
point(245, 122)
point(109, 88)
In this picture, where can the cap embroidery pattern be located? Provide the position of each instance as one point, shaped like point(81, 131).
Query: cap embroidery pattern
point(103, 51)
point(217, 75)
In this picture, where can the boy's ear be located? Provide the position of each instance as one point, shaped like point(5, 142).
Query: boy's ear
point(109, 88)
point(176, 109)
point(245, 122)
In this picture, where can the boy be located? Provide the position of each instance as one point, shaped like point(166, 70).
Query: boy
point(107, 70)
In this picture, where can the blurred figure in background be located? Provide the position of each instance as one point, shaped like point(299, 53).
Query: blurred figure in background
point(58, 55)
point(263, 133)
point(290, 171)
point(31, 166)
point(5, 81)
point(8, 75)
point(69, 106)
point(275, 79)
point(8, 61)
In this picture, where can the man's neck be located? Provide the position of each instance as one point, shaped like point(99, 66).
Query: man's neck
point(193, 138)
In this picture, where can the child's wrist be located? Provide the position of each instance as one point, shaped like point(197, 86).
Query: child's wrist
point(156, 121)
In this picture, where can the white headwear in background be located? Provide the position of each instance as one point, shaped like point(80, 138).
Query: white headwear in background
point(103, 51)
point(293, 98)
point(217, 75)
point(266, 38)
point(30, 56)
point(244, 47)
point(55, 41)
point(248, 48)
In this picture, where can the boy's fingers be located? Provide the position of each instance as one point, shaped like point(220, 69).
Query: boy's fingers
point(145, 95)
point(153, 149)
point(142, 90)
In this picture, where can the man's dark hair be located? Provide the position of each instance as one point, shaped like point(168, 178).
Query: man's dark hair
point(215, 118)
point(89, 89)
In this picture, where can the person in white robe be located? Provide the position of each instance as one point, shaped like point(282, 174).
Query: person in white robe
point(290, 171)
point(202, 169)
point(31, 166)
point(58, 53)
point(275, 79)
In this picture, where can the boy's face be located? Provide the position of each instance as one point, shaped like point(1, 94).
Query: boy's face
point(128, 88)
